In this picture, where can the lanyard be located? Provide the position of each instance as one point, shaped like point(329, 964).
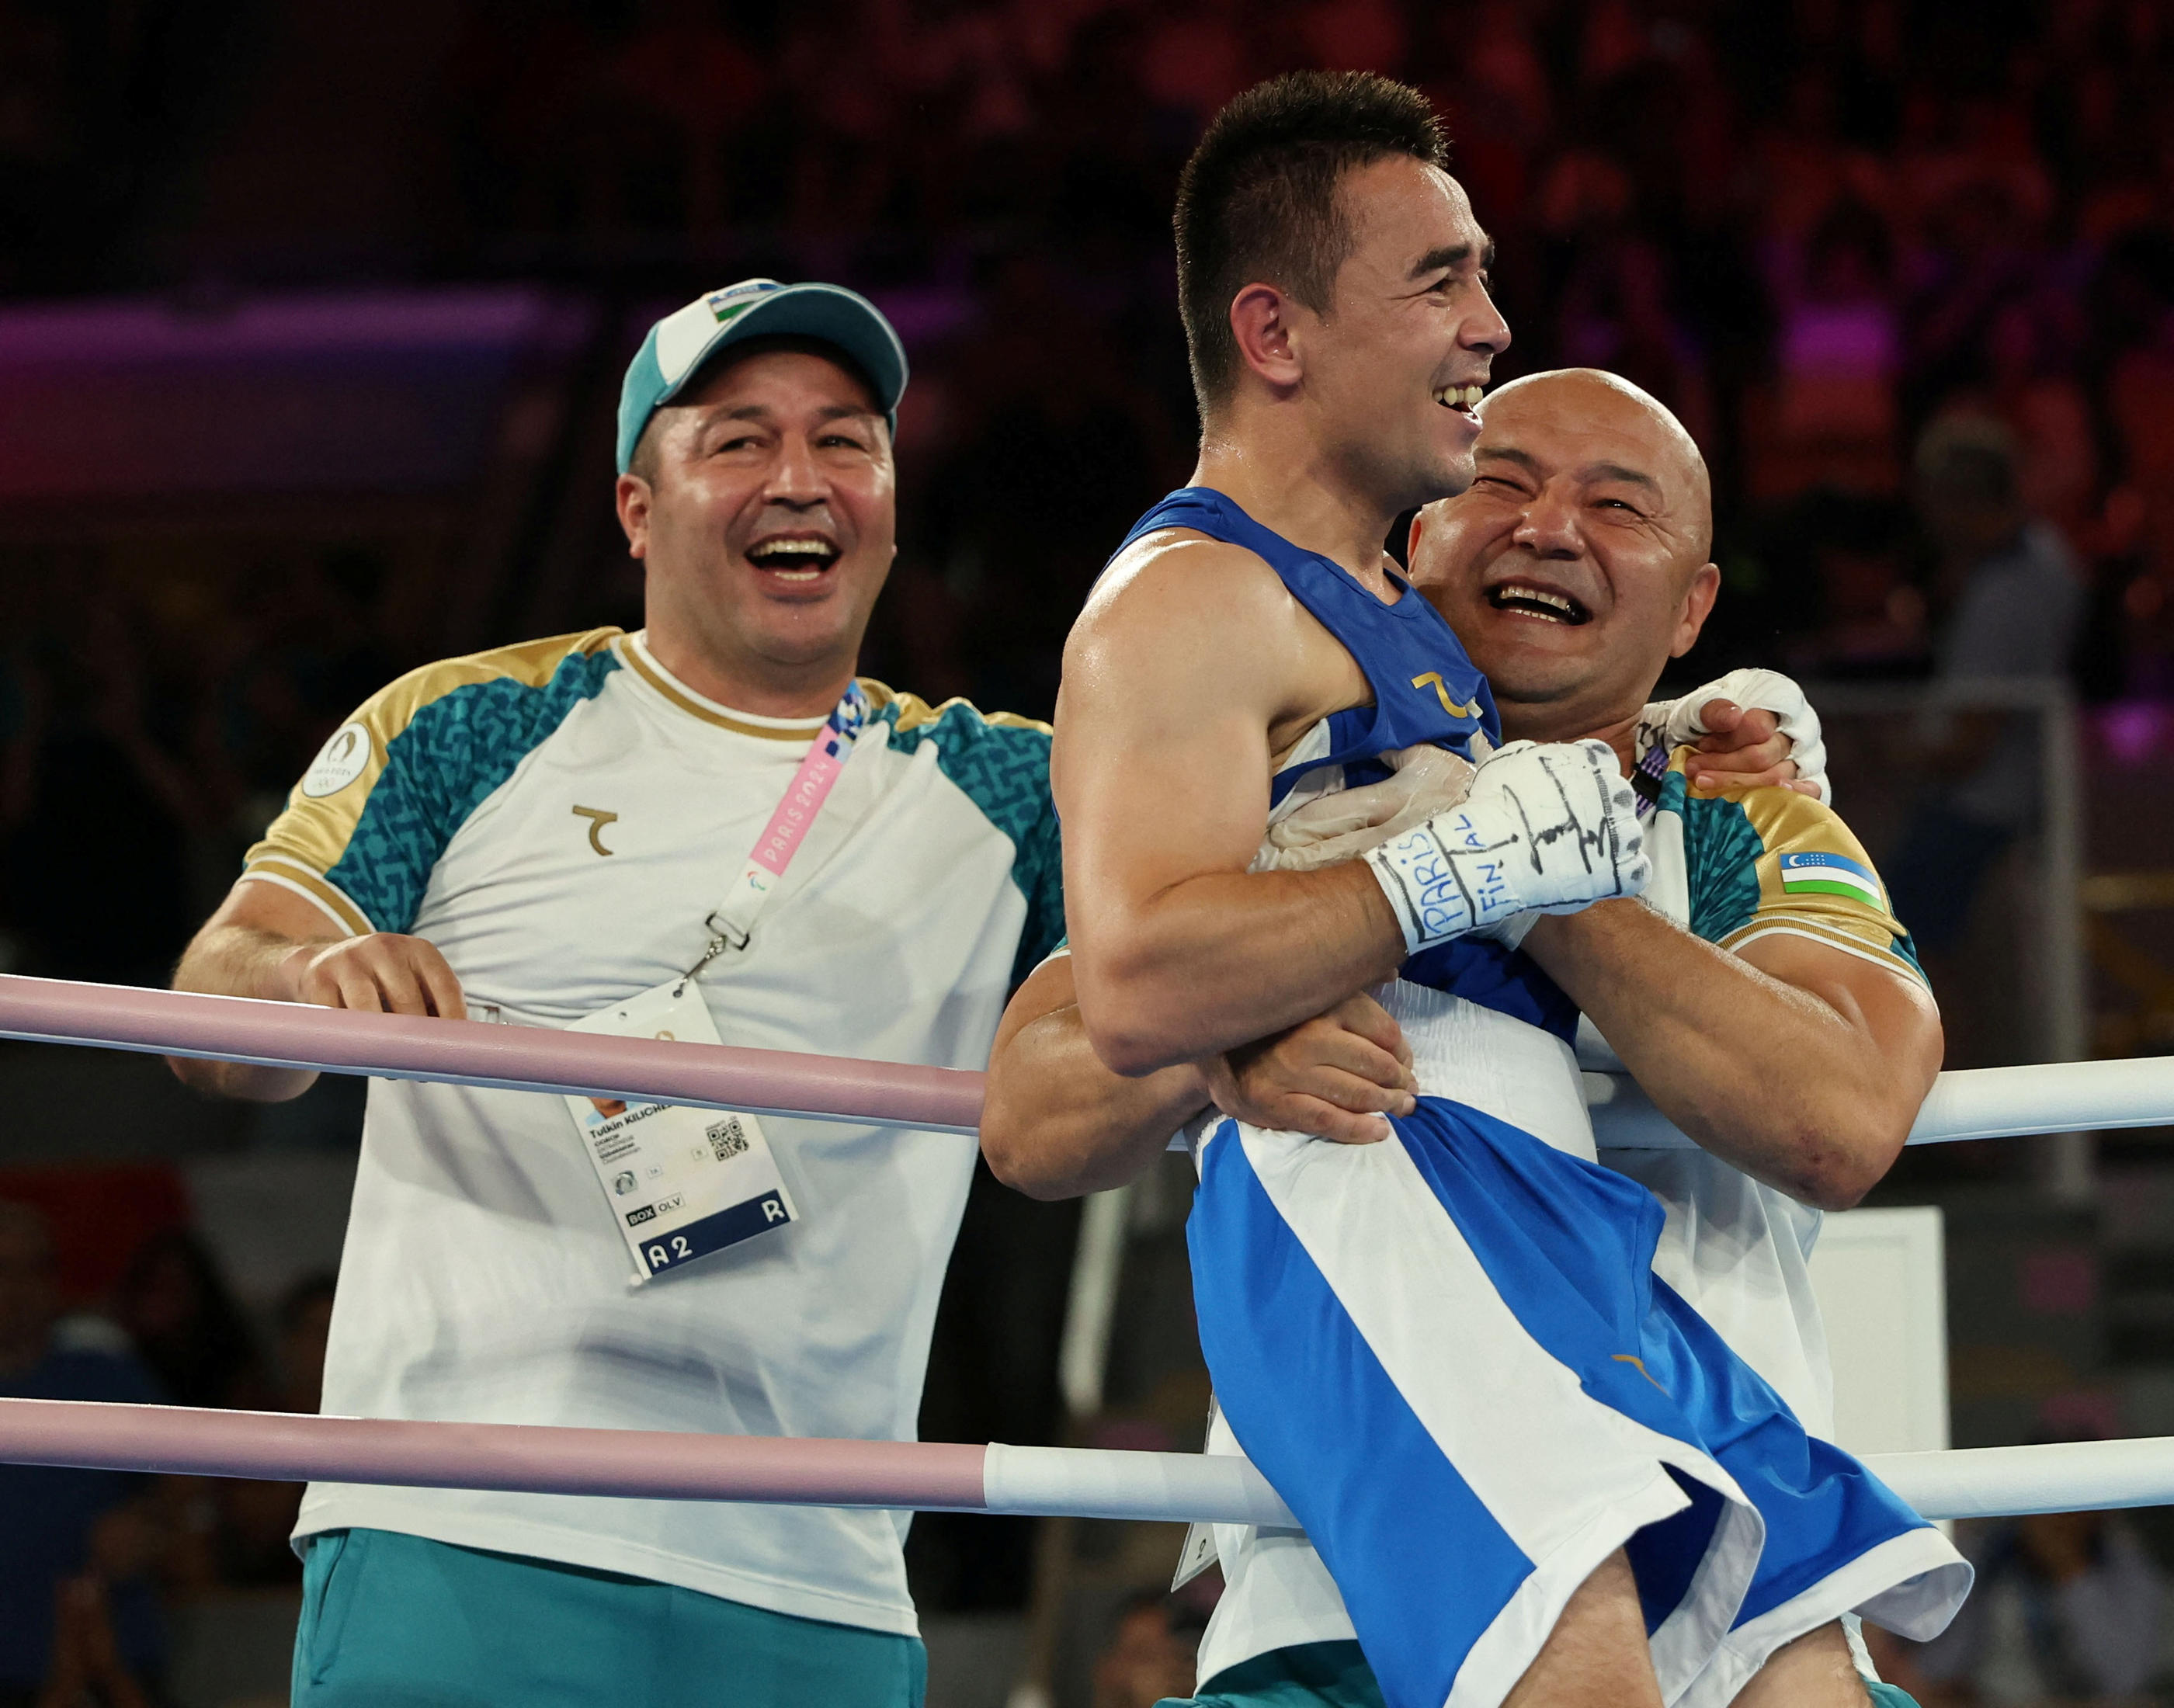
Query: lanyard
point(733, 920)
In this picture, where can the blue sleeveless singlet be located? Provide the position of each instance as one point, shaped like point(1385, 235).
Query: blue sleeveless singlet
point(1450, 1354)
point(1426, 689)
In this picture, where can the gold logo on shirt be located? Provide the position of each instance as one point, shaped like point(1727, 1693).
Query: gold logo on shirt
point(598, 818)
point(1637, 1364)
point(1433, 679)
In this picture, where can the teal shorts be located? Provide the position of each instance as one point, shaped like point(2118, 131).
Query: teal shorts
point(1335, 1675)
point(1308, 1675)
point(395, 1621)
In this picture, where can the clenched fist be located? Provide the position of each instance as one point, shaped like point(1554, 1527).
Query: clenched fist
point(1545, 828)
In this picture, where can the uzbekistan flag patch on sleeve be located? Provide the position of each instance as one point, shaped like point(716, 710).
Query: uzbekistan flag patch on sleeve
point(1830, 874)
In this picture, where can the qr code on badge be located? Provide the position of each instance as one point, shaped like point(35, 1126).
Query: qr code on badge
point(728, 1138)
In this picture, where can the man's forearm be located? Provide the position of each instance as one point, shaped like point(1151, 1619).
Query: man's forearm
point(1222, 959)
point(238, 960)
point(1789, 1087)
point(268, 942)
point(1059, 1123)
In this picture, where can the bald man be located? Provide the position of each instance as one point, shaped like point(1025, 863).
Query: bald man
point(1808, 974)
point(1572, 569)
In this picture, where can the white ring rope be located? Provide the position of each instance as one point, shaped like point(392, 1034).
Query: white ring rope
point(1969, 1103)
point(926, 1476)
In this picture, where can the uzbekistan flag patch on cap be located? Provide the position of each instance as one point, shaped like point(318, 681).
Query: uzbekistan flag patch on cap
point(1830, 874)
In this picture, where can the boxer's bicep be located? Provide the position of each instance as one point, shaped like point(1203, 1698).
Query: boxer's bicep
point(1181, 679)
point(1161, 763)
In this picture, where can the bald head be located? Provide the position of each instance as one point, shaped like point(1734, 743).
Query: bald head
point(1576, 565)
point(1632, 419)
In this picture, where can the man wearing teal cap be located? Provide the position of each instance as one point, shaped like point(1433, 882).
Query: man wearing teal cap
point(679, 345)
point(710, 828)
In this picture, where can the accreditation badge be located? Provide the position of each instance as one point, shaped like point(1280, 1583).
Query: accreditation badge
point(681, 1182)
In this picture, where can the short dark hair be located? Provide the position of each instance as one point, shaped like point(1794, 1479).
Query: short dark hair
point(1258, 200)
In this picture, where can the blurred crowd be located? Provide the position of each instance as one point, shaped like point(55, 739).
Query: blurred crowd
point(1817, 229)
point(150, 726)
point(1905, 267)
point(1810, 228)
point(2067, 1607)
point(96, 1560)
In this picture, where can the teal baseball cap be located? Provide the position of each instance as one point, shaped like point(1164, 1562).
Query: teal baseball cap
point(679, 345)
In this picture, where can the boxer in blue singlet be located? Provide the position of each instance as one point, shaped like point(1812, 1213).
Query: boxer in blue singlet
point(1536, 1476)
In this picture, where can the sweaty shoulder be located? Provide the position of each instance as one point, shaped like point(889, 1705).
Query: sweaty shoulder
point(1178, 571)
point(1177, 609)
point(368, 819)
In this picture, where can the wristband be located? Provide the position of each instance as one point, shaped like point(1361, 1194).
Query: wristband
point(1437, 895)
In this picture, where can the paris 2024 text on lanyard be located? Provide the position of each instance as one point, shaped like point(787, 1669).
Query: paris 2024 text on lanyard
point(683, 1183)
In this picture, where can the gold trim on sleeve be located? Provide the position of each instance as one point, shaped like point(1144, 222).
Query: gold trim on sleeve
point(329, 897)
point(1827, 936)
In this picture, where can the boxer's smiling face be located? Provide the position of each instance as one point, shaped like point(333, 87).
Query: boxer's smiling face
point(1395, 367)
point(763, 504)
point(1575, 566)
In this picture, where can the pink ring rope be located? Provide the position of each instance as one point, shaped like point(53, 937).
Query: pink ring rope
point(1975, 1103)
point(925, 1476)
point(640, 1464)
point(1987, 1103)
point(468, 1052)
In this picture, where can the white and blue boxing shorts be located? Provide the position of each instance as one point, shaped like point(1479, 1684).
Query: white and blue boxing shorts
point(1449, 1354)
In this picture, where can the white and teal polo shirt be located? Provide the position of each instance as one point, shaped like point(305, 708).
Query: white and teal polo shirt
point(558, 818)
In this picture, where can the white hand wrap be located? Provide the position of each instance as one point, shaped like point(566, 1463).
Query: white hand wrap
point(1549, 829)
point(1424, 781)
point(1677, 722)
